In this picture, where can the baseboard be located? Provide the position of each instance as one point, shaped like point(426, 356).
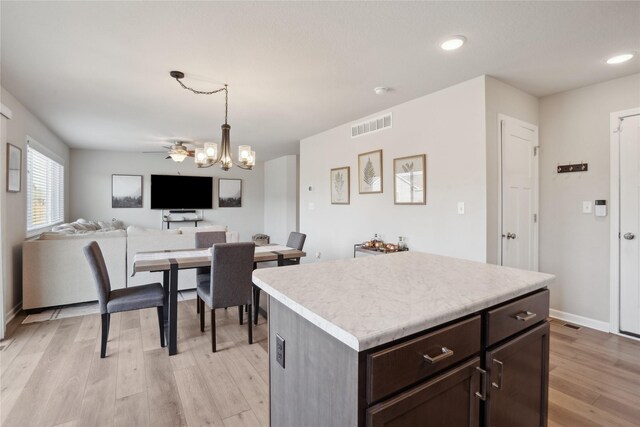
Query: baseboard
point(580, 320)
point(12, 313)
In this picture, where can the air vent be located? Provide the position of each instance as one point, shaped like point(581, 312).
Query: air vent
point(371, 125)
point(570, 326)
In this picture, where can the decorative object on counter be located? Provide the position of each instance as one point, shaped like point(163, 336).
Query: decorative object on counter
point(229, 193)
point(579, 167)
point(383, 248)
point(410, 179)
point(402, 243)
point(260, 239)
point(126, 191)
point(209, 155)
point(14, 168)
point(340, 186)
point(370, 172)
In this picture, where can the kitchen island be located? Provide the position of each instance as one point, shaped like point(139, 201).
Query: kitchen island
point(405, 338)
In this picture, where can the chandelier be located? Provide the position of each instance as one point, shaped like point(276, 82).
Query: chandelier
point(209, 155)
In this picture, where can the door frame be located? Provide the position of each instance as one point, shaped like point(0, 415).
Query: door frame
point(614, 220)
point(536, 187)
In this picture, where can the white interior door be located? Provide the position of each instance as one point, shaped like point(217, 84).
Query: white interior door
point(519, 177)
point(630, 225)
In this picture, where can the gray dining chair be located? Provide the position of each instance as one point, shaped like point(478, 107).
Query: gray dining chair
point(229, 283)
point(206, 239)
point(296, 241)
point(126, 299)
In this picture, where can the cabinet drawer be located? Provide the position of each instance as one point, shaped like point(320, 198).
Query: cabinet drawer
point(516, 316)
point(399, 366)
point(447, 400)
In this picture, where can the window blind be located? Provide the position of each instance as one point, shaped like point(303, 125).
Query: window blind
point(45, 190)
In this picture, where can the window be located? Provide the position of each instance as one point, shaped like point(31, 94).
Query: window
point(45, 189)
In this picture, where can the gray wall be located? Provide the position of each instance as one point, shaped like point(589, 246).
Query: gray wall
point(574, 127)
point(91, 189)
point(14, 222)
point(281, 197)
point(449, 127)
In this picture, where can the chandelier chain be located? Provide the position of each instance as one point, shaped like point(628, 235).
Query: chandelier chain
point(200, 92)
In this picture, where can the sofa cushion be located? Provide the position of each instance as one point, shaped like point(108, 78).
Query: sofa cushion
point(65, 235)
point(133, 230)
point(194, 230)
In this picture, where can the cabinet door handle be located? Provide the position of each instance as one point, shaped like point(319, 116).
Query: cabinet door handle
point(498, 384)
point(525, 315)
point(482, 394)
point(444, 353)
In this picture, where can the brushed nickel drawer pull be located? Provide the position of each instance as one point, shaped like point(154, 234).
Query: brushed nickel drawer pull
point(482, 394)
point(445, 352)
point(528, 315)
point(498, 384)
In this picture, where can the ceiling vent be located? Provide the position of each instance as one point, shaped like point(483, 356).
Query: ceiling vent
point(371, 125)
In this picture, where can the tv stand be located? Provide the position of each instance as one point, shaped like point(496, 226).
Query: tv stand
point(175, 215)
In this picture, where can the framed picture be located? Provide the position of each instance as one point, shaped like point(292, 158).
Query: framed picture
point(370, 172)
point(126, 191)
point(229, 193)
point(410, 180)
point(14, 168)
point(340, 183)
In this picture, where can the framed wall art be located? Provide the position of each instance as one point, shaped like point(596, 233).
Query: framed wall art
point(126, 191)
point(229, 193)
point(410, 180)
point(370, 172)
point(340, 183)
point(14, 168)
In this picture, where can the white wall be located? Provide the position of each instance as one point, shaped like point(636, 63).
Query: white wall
point(14, 222)
point(449, 127)
point(281, 197)
point(91, 189)
point(501, 99)
point(574, 127)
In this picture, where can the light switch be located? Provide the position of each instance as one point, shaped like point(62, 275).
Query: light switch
point(460, 208)
point(311, 206)
point(587, 207)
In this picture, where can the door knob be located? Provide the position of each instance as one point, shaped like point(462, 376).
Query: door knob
point(511, 236)
point(629, 236)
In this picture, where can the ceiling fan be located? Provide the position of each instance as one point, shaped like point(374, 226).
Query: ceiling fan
point(179, 151)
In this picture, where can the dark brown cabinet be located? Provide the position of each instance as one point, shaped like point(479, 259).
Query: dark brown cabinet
point(519, 375)
point(449, 400)
point(451, 375)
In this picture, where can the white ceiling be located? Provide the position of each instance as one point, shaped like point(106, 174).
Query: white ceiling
point(97, 72)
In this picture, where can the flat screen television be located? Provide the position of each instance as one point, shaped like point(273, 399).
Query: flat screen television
point(181, 192)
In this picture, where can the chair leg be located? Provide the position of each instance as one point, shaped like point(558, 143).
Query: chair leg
point(201, 304)
point(161, 324)
point(105, 335)
point(250, 327)
point(256, 303)
point(197, 304)
point(240, 313)
point(213, 330)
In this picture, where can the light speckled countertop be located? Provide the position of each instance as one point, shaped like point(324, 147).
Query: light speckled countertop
point(365, 302)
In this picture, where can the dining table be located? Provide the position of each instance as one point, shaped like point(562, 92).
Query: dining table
point(169, 262)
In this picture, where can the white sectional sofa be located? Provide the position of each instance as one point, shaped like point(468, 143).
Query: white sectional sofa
point(55, 271)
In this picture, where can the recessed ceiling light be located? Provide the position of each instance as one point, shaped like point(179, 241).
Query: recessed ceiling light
point(381, 90)
point(619, 59)
point(453, 43)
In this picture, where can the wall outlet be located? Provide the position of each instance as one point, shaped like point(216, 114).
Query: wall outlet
point(318, 254)
point(280, 350)
point(587, 207)
point(460, 208)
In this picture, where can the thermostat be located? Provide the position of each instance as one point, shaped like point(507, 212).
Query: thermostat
point(601, 207)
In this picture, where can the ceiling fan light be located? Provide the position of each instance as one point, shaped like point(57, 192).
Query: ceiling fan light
point(178, 156)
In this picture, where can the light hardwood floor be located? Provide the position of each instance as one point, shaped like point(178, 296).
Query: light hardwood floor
point(52, 374)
